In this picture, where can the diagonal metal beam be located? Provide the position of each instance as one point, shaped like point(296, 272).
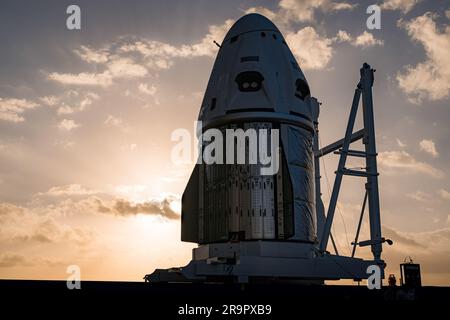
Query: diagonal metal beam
point(334, 244)
point(359, 224)
point(338, 144)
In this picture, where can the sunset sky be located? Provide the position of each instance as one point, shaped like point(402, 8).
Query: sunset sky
point(86, 176)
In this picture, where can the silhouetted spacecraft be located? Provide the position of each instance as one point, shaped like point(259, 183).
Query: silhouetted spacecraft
point(251, 226)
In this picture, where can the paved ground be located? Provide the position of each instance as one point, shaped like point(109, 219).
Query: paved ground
point(226, 301)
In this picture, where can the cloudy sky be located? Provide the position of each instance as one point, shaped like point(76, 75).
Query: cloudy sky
point(86, 176)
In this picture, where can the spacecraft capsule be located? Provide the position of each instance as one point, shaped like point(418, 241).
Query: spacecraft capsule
point(256, 83)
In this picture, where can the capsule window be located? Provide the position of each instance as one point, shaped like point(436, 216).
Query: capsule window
point(250, 58)
point(213, 103)
point(249, 81)
point(301, 89)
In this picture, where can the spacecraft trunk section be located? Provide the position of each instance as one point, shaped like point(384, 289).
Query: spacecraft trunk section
point(225, 202)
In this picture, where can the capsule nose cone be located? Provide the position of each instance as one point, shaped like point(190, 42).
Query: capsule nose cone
point(251, 22)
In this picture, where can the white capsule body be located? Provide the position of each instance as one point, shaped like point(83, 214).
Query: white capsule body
point(257, 84)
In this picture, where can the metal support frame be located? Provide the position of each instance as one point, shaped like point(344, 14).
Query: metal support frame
point(363, 92)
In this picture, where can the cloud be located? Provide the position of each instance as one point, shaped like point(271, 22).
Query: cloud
point(14, 260)
point(206, 46)
point(403, 5)
point(315, 51)
point(116, 68)
point(7, 208)
point(49, 100)
point(431, 78)
point(8, 260)
point(144, 88)
point(159, 55)
point(123, 207)
point(430, 249)
point(395, 161)
point(103, 79)
point(401, 144)
point(444, 194)
point(113, 121)
point(39, 237)
point(156, 55)
point(364, 40)
point(304, 10)
point(67, 190)
point(429, 147)
point(272, 15)
point(145, 94)
point(312, 50)
point(125, 68)
point(78, 198)
point(68, 125)
point(420, 196)
point(65, 109)
point(343, 36)
point(11, 109)
point(39, 225)
point(118, 61)
point(116, 122)
point(91, 55)
point(424, 242)
point(78, 103)
point(399, 238)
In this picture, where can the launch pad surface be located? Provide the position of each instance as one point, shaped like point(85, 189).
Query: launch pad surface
point(167, 298)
